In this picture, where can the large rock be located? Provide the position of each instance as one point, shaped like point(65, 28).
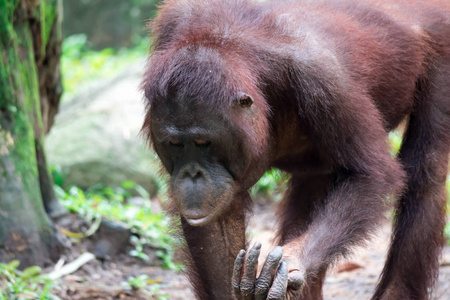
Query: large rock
point(96, 138)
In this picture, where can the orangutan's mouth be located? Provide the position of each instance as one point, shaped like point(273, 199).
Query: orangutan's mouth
point(198, 221)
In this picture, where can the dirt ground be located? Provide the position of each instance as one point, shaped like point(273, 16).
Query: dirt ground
point(355, 279)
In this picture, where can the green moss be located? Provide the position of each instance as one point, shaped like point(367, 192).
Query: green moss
point(19, 101)
point(6, 36)
point(5, 83)
point(24, 91)
point(47, 11)
point(7, 8)
point(23, 152)
point(21, 124)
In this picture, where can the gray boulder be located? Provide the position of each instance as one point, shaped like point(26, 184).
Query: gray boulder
point(96, 137)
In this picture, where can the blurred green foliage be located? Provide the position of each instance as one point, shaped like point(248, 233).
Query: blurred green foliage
point(80, 64)
point(146, 285)
point(268, 182)
point(395, 141)
point(271, 185)
point(149, 228)
point(57, 176)
point(27, 284)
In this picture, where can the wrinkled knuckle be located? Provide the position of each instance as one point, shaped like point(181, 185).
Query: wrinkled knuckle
point(275, 296)
point(254, 252)
point(247, 289)
point(272, 259)
point(252, 259)
point(276, 293)
point(239, 261)
point(261, 287)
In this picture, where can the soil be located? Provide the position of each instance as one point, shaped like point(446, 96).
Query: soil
point(353, 279)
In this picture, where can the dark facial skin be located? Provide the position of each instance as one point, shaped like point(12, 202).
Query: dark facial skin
point(205, 167)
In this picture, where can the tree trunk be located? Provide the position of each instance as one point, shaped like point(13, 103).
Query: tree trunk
point(29, 83)
point(47, 40)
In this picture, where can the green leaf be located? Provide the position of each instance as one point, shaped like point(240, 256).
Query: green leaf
point(128, 185)
point(31, 272)
point(14, 264)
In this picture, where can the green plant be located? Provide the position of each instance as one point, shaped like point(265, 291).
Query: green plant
point(273, 182)
point(395, 141)
point(146, 285)
point(57, 175)
point(27, 284)
point(139, 244)
point(149, 228)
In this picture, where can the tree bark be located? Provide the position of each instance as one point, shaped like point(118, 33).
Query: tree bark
point(47, 51)
point(30, 88)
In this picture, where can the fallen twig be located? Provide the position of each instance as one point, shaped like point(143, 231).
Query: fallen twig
point(71, 267)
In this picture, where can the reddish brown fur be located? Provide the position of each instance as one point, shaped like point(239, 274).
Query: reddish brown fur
point(330, 80)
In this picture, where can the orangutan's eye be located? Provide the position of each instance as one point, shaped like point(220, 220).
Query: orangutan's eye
point(202, 143)
point(245, 101)
point(176, 143)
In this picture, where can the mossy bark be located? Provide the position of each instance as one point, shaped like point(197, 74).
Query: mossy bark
point(29, 81)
